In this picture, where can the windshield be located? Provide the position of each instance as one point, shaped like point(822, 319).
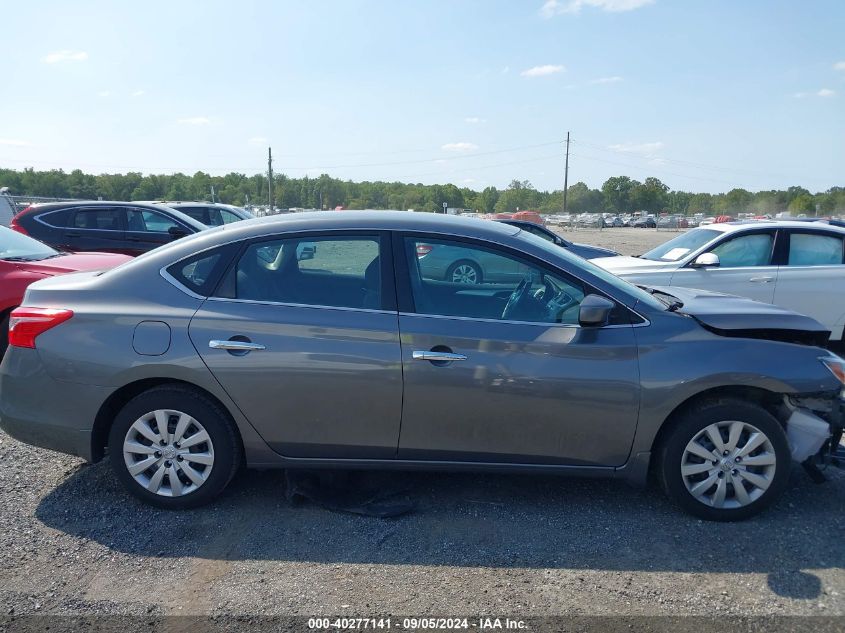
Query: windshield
point(681, 246)
point(623, 286)
point(16, 246)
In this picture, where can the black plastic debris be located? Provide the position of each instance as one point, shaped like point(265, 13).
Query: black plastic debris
point(343, 491)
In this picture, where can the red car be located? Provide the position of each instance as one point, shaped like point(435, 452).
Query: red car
point(529, 216)
point(24, 260)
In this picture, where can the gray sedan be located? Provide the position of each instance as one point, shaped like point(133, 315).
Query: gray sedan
point(237, 346)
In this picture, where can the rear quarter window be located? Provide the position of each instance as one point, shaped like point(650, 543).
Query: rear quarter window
point(200, 273)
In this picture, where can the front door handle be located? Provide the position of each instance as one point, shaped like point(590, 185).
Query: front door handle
point(237, 346)
point(762, 280)
point(447, 357)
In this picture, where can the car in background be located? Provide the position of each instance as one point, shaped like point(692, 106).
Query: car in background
point(672, 222)
point(647, 222)
point(179, 366)
point(130, 228)
point(582, 250)
point(529, 216)
point(24, 260)
point(796, 265)
point(210, 213)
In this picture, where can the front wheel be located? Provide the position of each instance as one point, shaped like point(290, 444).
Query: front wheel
point(174, 448)
point(725, 460)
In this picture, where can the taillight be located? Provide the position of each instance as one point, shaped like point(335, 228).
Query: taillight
point(17, 227)
point(25, 324)
point(423, 249)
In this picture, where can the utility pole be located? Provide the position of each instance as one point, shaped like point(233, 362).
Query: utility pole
point(270, 177)
point(212, 194)
point(566, 173)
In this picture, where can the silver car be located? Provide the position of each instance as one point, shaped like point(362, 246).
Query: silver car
point(236, 346)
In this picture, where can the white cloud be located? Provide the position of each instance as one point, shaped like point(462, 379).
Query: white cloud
point(14, 142)
point(104, 93)
point(469, 181)
point(474, 120)
point(824, 92)
point(459, 147)
point(606, 80)
point(552, 8)
point(646, 149)
point(195, 120)
point(257, 140)
point(65, 56)
point(839, 66)
point(542, 71)
point(506, 70)
point(138, 93)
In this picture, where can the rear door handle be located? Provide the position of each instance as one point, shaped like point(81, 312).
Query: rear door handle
point(236, 346)
point(437, 356)
point(762, 280)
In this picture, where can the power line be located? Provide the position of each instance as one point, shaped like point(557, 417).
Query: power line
point(654, 169)
point(639, 156)
point(423, 160)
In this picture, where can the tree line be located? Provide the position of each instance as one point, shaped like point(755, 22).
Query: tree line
point(619, 194)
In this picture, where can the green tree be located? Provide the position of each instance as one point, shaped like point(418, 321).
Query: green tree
point(617, 193)
point(650, 195)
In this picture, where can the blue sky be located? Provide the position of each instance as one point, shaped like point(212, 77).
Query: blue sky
point(706, 95)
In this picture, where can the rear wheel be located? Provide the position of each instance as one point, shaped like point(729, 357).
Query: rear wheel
point(464, 272)
point(174, 448)
point(725, 460)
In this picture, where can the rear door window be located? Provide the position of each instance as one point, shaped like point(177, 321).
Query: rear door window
point(814, 249)
point(105, 219)
point(315, 271)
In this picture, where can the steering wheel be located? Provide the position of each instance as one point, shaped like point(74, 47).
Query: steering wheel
point(517, 298)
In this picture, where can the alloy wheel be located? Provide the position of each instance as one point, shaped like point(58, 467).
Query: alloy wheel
point(465, 274)
point(728, 464)
point(168, 452)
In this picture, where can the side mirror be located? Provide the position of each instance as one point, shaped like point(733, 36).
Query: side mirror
point(706, 260)
point(595, 311)
point(176, 232)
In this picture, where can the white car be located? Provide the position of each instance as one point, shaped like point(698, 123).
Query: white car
point(795, 265)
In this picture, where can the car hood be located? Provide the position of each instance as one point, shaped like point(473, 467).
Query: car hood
point(729, 315)
point(588, 251)
point(624, 264)
point(74, 262)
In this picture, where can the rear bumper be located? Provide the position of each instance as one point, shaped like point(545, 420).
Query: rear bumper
point(39, 410)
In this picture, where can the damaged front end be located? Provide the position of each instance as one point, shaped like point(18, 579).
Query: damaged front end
point(814, 425)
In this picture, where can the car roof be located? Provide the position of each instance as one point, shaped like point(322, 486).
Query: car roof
point(745, 225)
point(69, 204)
point(374, 220)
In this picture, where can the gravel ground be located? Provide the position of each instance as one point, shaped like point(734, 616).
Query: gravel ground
point(72, 542)
point(627, 241)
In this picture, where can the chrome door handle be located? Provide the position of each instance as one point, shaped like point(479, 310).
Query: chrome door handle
point(236, 346)
point(437, 356)
point(762, 280)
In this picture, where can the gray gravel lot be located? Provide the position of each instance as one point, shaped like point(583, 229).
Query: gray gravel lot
point(72, 542)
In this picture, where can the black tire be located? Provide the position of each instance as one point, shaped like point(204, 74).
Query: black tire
point(225, 440)
point(689, 424)
point(4, 335)
point(465, 262)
